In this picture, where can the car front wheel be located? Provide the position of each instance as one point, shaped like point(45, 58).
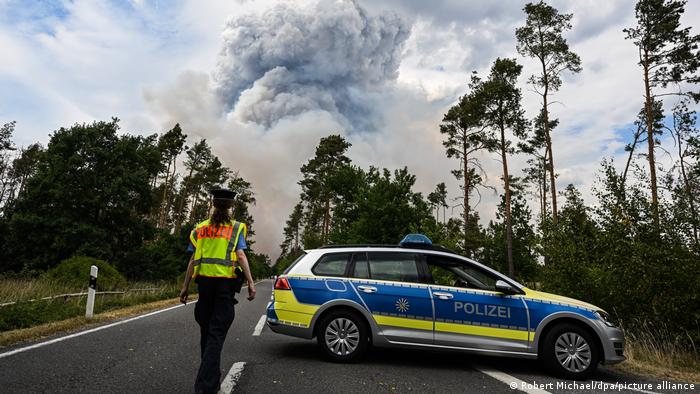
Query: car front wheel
point(343, 336)
point(570, 352)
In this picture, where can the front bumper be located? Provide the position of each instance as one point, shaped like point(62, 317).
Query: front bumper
point(613, 341)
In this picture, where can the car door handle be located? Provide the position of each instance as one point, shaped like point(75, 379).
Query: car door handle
point(368, 289)
point(443, 296)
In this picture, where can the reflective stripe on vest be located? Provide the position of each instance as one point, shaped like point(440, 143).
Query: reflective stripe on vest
point(215, 248)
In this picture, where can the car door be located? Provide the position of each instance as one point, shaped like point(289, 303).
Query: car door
point(388, 284)
point(470, 313)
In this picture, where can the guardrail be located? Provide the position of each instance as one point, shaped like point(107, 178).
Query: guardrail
point(69, 295)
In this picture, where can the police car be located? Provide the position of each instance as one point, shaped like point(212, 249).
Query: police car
point(419, 295)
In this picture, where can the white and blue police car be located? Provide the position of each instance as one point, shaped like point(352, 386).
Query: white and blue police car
point(421, 295)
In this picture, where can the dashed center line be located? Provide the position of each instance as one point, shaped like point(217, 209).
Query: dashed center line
point(231, 378)
point(512, 382)
point(259, 327)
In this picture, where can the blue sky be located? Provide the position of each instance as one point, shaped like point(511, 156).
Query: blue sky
point(154, 63)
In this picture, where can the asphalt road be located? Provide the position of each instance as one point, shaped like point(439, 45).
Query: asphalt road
point(159, 354)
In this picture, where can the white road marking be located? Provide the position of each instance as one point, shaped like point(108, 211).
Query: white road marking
point(513, 382)
point(231, 378)
point(77, 334)
point(259, 327)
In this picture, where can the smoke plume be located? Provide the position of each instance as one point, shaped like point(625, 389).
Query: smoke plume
point(289, 61)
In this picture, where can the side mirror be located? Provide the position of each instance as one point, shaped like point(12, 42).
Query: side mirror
point(505, 288)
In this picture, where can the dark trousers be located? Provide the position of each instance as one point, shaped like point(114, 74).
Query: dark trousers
point(214, 313)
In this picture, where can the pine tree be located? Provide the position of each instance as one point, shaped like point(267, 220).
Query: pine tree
point(464, 137)
point(500, 101)
point(668, 54)
point(542, 38)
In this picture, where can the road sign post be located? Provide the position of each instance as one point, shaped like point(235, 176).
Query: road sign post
point(92, 287)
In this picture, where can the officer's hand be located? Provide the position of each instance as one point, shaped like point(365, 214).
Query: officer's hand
point(251, 292)
point(183, 296)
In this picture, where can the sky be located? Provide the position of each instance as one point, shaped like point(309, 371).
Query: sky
point(264, 80)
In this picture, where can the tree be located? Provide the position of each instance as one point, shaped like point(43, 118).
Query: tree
point(524, 239)
point(292, 230)
point(438, 199)
point(197, 156)
point(542, 38)
point(502, 111)
point(387, 208)
point(642, 132)
point(668, 54)
point(244, 199)
point(25, 166)
point(170, 144)
point(536, 173)
point(316, 191)
point(90, 195)
point(6, 146)
point(687, 136)
point(464, 136)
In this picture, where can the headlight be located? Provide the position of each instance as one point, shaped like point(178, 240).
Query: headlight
point(605, 317)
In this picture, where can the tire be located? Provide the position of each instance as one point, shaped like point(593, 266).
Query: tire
point(570, 352)
point(343, 335)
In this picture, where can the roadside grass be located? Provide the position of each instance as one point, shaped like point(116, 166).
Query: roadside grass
point(655, 351)
point(29, 310)
point(12, 337)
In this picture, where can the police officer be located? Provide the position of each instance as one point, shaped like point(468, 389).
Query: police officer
point(217, 264)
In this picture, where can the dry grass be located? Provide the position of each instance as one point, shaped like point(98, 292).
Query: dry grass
point(41, 331)
point(26, 289)
point(654, 351)
point(26, 308)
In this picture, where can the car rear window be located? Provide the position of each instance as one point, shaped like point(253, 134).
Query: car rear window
point(400, 267)
point(334, 264)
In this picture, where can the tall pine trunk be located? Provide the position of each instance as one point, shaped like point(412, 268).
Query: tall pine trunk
point(509, 224)
point(181, 205)
point(690, 196)
point(326, 220)
point(163, 202)
point(548, 140)
point(649, 109)
point(465, 164)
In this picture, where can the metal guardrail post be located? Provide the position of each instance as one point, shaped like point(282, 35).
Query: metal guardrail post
point(92, 286)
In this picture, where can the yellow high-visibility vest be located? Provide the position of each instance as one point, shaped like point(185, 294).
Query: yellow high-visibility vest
point(215, 253)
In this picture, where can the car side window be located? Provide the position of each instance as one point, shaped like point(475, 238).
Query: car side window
point(399, 267)
point(361, 266)
point(333, 264)
point(486, 278)
point(447, 271)
point(444, 277)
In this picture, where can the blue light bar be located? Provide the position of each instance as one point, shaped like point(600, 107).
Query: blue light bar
point(413, 239)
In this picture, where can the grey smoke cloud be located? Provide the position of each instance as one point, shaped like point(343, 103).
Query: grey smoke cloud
point(291, 60)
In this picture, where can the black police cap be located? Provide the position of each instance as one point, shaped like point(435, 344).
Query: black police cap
point(222, 194)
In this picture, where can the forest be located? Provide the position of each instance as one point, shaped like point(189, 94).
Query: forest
point(121, 198)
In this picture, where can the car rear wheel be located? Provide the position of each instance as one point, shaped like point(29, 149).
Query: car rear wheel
point(570, 352)
point(343, 336)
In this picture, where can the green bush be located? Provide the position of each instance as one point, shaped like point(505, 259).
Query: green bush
point(75, 271)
